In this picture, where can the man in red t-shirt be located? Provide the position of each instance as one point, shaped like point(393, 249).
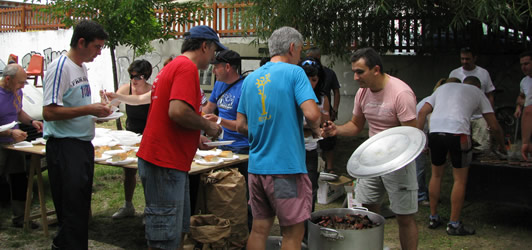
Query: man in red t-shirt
point(171, 137)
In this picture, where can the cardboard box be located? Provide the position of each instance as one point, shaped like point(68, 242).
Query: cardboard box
point(331, 190)
point(350, 197)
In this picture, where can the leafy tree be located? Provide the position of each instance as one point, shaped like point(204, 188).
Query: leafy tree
point(129, 22)
point(339, 25)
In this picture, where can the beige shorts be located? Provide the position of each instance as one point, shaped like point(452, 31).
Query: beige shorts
point(401, 186)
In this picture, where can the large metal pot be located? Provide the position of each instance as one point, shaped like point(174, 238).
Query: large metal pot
point(321, 238)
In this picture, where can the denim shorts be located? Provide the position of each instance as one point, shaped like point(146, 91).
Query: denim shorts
point(167, 209)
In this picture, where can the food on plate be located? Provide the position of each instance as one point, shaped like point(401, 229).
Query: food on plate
point(137, 144)
point(98, 153)
point(210, 158)
point(99, 150)
point(131, 153)
point(116, 147)
point(119, 157)
point(226, 154)
point(102, 148)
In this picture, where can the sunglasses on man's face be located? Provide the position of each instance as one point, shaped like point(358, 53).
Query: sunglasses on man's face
point(136, 77)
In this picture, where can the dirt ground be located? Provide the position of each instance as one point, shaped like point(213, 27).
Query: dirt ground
point(498, 227)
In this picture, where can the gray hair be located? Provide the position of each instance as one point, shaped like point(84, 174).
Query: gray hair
point(280, 40)
point(10, 70)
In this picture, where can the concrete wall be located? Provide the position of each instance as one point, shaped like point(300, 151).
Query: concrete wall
point(420, 72)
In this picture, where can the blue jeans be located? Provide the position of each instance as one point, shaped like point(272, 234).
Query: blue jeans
point(167, 209)
point(421, 162)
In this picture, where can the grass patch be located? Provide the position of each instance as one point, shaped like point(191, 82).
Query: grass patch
point(498, 227)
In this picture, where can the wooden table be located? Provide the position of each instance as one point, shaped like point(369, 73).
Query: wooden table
point(500, 181)
point(37, 154)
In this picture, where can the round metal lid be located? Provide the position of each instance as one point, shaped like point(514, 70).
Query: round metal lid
point(386, 152)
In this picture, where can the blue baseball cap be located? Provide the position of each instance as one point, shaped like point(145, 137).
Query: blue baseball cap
point(205, 32)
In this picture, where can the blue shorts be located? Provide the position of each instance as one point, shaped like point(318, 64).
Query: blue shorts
point(167, 209)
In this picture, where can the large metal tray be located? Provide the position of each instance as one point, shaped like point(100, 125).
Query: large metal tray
point(386, 152)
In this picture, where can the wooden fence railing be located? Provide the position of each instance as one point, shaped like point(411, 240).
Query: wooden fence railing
point(409, 33)
point(225, 18)
point(27, 18)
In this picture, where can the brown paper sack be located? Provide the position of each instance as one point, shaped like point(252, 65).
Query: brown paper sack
point(225, 197)
point(210, 230)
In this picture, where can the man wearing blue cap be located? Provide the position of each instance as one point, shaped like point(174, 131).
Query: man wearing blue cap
point(171, 137)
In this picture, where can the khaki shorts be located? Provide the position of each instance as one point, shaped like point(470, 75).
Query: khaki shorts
point(401, 186)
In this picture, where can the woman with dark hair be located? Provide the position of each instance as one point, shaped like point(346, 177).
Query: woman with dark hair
point(312, 70)
point(139, 72)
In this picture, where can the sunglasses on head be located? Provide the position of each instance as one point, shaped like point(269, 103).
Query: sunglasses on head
point(136, 77)
point(308, 62)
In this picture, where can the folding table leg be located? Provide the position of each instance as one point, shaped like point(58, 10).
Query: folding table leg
point(36, 160)
point(29, 192)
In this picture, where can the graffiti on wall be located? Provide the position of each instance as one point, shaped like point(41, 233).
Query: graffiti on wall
point(49, 55)
point(123, 62)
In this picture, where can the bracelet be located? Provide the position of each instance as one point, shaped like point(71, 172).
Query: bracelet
point(219, 120)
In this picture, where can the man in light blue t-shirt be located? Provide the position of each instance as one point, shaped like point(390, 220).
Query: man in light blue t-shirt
point(274, 100)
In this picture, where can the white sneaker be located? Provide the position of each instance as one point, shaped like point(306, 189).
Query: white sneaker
point(124, 212)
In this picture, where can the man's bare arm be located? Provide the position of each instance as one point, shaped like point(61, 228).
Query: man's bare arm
point(183, 114)
point(242, 124)
point(55, 112)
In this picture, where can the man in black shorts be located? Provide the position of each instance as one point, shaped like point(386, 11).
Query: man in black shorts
point(452, 105)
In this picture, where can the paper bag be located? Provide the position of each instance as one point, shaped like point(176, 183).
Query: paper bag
point(210, 230)
point(225, 197)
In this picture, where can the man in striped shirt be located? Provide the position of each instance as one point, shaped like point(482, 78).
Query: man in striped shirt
point(69, 128)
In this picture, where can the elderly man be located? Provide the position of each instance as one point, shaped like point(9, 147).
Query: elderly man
point(171, 137)
point(274, 100)
point(69, 127)
point(12, 163)
point(384, 102)
point(468, 58)
point(452, 105)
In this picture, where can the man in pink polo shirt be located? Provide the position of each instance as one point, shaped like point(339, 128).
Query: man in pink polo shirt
point(384, 102)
